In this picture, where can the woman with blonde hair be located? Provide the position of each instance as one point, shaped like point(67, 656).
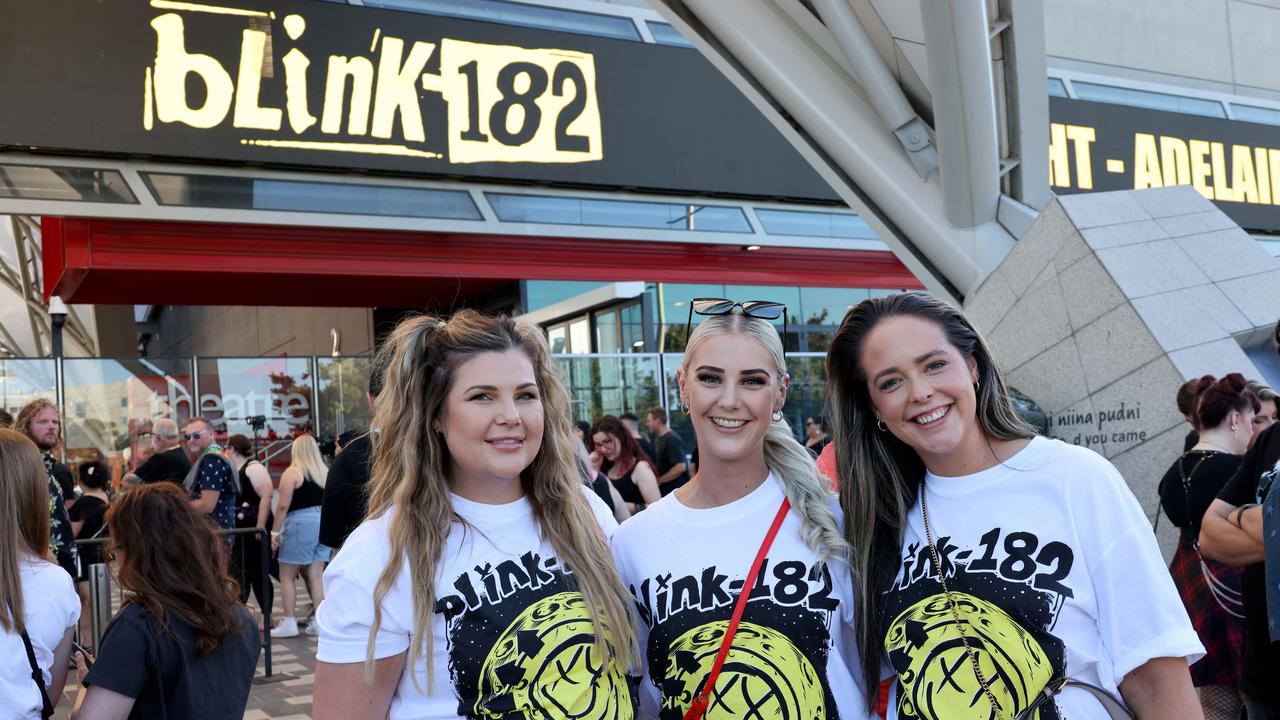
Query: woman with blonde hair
point(741, 574)
point(480, 583)
point(38, 603)
point(295, 535)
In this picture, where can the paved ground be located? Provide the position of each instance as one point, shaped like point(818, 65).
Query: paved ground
point(286, 695)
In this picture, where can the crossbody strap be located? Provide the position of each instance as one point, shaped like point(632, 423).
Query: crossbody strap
point(37, 674)
point(703, 698)
point(1115, 709)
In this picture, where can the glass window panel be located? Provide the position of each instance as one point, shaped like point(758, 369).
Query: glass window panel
point(617, 213)
point(815, 224)
point(632, 328)
point(611, 386)
point(342, 395)
point(25, 379)
point(580, 337)
point(220, 191)
point(607, 337)
point(827, 306)
point(76, 184)
point(276, 389)
point(521, 15)
point(1057, 88)
point(111, 403)
point(1148, 99)
point(558, 338)
point(541, 293)
point(673, 310)
point(666, 34)
point(1249, 113)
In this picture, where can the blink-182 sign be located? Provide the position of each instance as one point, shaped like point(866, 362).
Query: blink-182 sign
point(1096, 146)
point(305, 83)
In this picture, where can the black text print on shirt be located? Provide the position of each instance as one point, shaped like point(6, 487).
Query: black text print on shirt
point(521, 646)
point(778, 665)
point(1008, 590)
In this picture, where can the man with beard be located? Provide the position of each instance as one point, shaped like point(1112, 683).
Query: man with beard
point(39, 421)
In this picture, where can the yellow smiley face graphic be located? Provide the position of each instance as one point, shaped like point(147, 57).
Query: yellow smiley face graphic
point(546, 666)
point(764, 676)
point(939, 682)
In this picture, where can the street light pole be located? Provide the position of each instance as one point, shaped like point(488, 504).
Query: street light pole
point(57, 319)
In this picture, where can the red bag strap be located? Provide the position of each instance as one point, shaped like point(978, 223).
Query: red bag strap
point(703, 698)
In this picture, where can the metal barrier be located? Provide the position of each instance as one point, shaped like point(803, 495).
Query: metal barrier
point(100, 589)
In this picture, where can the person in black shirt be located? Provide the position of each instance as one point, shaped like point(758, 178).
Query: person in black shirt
point(253, 510)
point(169, 461)
point(342, 509)
point(182, 646)
point(1209, 589)
point(668, 452)
point(39, 421)
point(88, 521)
point(1231, 532)
point(632, 423)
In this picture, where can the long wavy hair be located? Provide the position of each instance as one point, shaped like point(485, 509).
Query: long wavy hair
point(306, 457)
point(24, 520)
point(879, 474)
point(786, 458)
point(172, 563)
point(409, 477)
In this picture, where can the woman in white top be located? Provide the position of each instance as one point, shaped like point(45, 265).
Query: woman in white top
point(686, 557)
point(1049, 569)
point(480, 585)
point(37, 597)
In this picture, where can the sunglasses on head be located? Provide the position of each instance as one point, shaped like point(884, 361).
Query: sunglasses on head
point(760, 309)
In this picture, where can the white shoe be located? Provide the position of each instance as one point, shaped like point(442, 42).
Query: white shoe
point(286, 628)
point(312, 629)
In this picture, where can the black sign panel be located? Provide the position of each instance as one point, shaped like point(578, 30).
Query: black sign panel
point(1096, 146)
point(308, 84)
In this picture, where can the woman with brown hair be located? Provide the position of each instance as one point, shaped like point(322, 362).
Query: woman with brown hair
point(616, 453)
point(38, 604)
point(182, 646)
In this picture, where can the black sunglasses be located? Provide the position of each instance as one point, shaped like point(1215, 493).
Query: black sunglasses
point(761, 309)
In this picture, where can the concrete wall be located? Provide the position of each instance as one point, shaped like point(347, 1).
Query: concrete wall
point(1219, 45)
point(259, 331)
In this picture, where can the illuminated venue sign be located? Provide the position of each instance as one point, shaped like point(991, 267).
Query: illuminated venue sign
point(1096, 146)
point(298, 83)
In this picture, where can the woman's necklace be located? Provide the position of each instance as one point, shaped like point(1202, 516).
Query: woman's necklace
point(953, 606)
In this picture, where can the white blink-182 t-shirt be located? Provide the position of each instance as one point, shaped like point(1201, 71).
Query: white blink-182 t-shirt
point(512, 639)
point(794, 655)
point(1055, 572)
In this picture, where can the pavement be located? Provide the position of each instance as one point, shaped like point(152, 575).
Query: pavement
point(286, 695)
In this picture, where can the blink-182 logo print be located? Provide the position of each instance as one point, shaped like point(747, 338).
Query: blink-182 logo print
point(777, 666)
point(521, 645)
point(1007, 597)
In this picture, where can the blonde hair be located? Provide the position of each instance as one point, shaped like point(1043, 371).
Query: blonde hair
point(409, 477)
point(786, 458)
point(24, 520)
point(306, 458)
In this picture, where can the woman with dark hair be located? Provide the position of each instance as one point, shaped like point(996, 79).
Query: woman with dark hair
point(38, 607)
point(87, 516)
point(1209, 589)
point(182, 645)
point(480, 585)
point(1188, 398)
point(817, 434)
point(253, 510)
point(995, 571)
point(616, 453)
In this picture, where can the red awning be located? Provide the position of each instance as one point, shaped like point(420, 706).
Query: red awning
point(129, 262)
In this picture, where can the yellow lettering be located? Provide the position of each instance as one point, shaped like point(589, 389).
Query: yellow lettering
point(1221, 190)
point(172, 65)
point(1243, 178)
point(1146, 162)
point(1273, 165)
point(1059, 161)
point(398, 89)
point(249, 86)
point(1081, 137)
point(1264, 176)
point(295, 77)
point(1199, 149)
point(1174, 159)
point(360, 70)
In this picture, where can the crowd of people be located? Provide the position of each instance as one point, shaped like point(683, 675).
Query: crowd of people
point(476, 553)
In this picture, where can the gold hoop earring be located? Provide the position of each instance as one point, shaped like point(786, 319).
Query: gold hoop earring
point(880, 425)
point(684, 408)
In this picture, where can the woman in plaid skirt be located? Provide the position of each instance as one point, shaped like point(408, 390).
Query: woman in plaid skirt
point(1211, 590)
